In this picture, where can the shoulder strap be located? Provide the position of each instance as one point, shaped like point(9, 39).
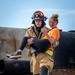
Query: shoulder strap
point(35, 32)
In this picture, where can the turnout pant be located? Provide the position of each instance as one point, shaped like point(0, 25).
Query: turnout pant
point(37, 63)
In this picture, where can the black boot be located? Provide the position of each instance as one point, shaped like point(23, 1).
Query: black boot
point(43, 70)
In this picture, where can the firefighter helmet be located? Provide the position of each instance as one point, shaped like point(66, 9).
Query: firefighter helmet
point(38, 15)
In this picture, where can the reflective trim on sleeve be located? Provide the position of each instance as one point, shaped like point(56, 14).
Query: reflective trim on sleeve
point(49, 52)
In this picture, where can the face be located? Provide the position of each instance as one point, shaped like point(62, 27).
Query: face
point(52, 24)
point(38, 23)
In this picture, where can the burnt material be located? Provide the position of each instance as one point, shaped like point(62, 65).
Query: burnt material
point(14, 67)
point(64, 53)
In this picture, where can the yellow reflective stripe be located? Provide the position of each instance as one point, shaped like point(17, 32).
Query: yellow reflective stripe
point(49, 52)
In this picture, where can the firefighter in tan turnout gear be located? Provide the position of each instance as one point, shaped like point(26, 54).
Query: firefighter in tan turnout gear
point(41, 63)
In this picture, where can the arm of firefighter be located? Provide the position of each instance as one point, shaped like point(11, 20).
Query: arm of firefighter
point(27, 34)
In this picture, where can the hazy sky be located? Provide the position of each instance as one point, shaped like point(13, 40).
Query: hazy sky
point(18, 13)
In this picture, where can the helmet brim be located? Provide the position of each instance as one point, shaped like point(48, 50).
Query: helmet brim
point(44, 18)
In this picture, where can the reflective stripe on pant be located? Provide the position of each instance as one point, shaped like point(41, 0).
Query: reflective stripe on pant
point(42, 59)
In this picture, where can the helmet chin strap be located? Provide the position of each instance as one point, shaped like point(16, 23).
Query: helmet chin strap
point(38, 28)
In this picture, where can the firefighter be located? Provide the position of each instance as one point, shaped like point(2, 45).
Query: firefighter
point(38, 19)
